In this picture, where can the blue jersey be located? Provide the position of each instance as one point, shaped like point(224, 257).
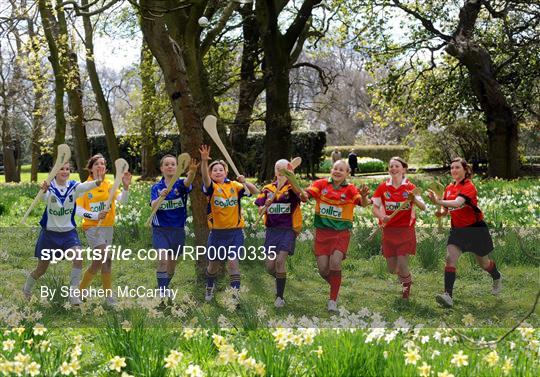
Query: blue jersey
point(59, 215)
point(173, 210)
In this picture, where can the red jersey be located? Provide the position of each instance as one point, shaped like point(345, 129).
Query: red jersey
point(468, 213)
point(391, 198)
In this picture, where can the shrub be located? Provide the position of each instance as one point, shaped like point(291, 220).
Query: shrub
point(381, 152)
point(365, 165)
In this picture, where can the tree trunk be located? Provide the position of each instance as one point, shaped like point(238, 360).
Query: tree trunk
point(102, 104)
point(52, 34)
point(148, 123)
point(170, 58)
point(70, 66)
point(250, 86)
point(502, 127)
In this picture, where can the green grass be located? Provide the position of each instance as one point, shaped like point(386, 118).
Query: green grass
point(369, 295)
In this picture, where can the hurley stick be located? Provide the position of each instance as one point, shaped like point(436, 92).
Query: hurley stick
point(183, 163)
point(121, 166)
point(63, 155)
point(438, 189)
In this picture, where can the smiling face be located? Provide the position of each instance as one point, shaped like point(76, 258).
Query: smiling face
point(98, 168)
point(168, 166)
point(396, 169)
point(340, 171)
point(63, 174)
point(457, 171)
point(218, 173)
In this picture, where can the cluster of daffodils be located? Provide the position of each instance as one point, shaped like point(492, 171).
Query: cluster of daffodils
point(228, 355)
point(299, 337)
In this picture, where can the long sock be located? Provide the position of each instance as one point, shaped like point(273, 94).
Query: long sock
point(449, 279)
point(75, 276)
point(334, 278)
point(87, 279)
point(210, 279)
point(281, 278)
point(162, 279)
point(492, 270)
point(235, 281)
point(29, 284)
point(106, 280)
point(405, 279)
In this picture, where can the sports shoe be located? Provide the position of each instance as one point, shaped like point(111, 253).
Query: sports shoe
point(111, 301)
point(209, 295)
point(279, 303)
point(445, 300)
point(406, 291)
point(497, 286)
point(332, 306)
point(73, 298)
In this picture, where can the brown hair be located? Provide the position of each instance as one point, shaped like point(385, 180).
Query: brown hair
point(401, 161)
point(93, 160)
point(465, 165)
point(164, 157)
point(220, 162)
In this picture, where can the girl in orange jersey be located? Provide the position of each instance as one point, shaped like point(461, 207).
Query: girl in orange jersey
point(335, 201)
point(91, 206)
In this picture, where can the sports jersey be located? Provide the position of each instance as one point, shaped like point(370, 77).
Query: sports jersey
point(94, 201)
point(334, 207)
point(468, 213)
point(391, 198)
point(224, 209)
point(173, 210)
point(59, 214)
point(284, 212)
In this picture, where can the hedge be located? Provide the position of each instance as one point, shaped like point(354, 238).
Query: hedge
point(307, 144)
point(381, 152)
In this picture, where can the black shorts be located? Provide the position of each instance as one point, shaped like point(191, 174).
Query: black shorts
point(474, 238)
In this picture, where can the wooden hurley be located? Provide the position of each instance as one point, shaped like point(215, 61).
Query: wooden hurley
point(438, 188)
point(120, 166)
point(63, 155)
point(183, 163)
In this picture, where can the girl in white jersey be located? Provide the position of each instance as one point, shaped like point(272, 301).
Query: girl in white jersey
point(58, 228)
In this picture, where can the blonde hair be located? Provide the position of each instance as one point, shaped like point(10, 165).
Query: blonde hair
point(342, 162)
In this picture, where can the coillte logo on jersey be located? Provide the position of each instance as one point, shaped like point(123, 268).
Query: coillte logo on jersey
point(279, 208)
point(393, 206)
point(60, 212)
point(224, 203)
point(331, 211)
point(171, 204)
point(97, 207)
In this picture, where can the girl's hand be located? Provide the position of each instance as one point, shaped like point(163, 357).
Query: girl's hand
point(241, 179)
point(102, 214)
point(194, 165)
point(44, 186)
point(163, 193)
point(433, 197)
point(204, 150)
point(126, 180)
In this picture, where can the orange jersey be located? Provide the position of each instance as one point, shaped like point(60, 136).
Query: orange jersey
point(95, 201)
point(334, 208)
point(224, 209)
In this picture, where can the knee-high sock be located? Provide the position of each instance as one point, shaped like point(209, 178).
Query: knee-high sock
point(449, 279)
point(334, 278)
point(281, 278)
point(87, 279)
point(235, 281)
point(75, 276)
point(210, 279)
point(492, 270)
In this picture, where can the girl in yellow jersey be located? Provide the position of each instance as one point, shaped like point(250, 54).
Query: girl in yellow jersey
point(225, 218)
point(91, 206)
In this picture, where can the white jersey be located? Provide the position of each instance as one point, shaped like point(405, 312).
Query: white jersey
point(59, 215)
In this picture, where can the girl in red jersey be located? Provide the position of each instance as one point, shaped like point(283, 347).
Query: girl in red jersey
point(335, 201)
point(398, 235)
point(469, 232)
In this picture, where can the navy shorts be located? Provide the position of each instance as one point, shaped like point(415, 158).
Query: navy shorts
point(55, 241)
point(225, 244)
point(280, 239)
point(474, 238)
point(169, 238)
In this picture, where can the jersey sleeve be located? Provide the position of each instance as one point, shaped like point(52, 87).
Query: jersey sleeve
point(376, 199)
point(261, 198)
point(81, 188)
point(315, 189)
point(446, 190)
point(208, 191)
point(239, 188)
point(468, 191)
point(154, 194)
point(82, 201)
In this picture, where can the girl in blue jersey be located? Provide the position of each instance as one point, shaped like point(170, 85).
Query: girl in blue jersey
point(58, 228)
point(168, 234)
